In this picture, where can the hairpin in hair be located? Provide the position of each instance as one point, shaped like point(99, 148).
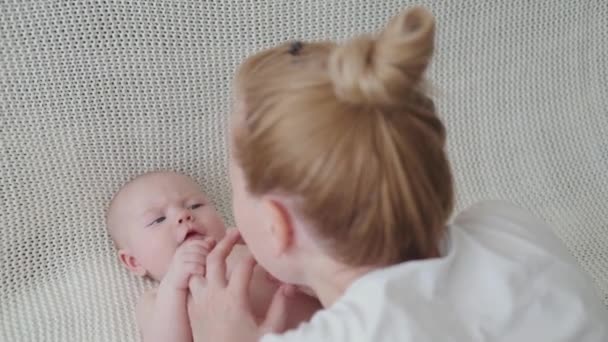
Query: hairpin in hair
point(295, 47)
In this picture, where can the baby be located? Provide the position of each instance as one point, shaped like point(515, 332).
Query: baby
point(164, 227)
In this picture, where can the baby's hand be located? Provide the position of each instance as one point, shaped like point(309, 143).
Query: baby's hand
point(189, 259)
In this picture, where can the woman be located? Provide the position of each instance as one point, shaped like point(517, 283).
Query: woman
point(341, 184)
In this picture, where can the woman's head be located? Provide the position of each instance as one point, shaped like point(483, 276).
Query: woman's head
point(346, 140)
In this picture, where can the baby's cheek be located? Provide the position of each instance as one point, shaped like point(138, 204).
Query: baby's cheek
point(272, 279)
point(158, 256)
point(215, 225)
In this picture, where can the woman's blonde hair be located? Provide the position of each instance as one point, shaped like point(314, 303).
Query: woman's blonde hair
point(348, 130)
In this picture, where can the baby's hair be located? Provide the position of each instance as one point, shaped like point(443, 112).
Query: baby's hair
point(111, 225)
point(349, 131)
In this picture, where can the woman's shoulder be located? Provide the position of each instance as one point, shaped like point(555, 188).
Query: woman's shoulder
point(497, 209)
point(510, 226)
point(501, 216)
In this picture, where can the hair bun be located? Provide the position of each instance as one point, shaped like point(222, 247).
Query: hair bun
point(381, 71)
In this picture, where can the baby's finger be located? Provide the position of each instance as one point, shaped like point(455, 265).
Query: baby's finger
point(195, 268)
point(207, 244)
point(198, 251)
point(216, 260)
point(199, 258)
point(197, 285)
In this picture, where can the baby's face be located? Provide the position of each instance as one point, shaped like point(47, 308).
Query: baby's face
point(158, 213)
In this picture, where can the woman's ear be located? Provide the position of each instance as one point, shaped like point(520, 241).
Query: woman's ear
point(280, 227)
point(131, 263)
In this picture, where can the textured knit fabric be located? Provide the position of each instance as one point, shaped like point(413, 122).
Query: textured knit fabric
point(94, 92)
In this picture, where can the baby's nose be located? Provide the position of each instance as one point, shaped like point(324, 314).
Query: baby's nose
point(184, 218)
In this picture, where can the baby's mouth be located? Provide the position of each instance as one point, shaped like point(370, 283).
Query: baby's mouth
point(193, 235)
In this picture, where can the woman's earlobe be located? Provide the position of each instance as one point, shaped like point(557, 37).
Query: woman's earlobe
point(280, 226)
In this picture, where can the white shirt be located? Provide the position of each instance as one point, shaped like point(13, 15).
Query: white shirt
point(504, 276)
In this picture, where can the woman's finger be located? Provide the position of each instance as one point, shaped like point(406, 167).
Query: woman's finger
point(241, 277)
point(216, 260)
point(276, 317)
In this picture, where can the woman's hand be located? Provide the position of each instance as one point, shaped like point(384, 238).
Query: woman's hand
point(221, 309)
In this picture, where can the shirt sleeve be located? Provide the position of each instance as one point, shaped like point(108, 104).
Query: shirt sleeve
point(337, 324)
point(305, 332)
point(501, 216)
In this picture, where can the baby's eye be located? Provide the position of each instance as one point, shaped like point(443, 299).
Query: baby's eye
point(195, 206)
point(158, 220)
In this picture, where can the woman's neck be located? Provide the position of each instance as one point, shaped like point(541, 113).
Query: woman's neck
point(331, 279)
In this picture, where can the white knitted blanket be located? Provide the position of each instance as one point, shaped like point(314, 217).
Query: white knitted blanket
point(94, 92)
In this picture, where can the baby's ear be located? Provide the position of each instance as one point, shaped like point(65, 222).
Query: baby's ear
point(131, 263)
